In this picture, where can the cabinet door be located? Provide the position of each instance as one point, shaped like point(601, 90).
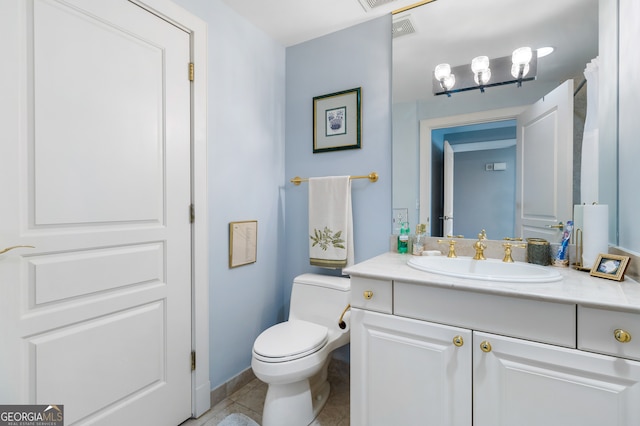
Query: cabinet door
point(408, 372)
point(517, 382)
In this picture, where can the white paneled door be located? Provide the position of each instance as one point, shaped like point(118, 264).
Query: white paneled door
point(95, 175)
point(544, 153)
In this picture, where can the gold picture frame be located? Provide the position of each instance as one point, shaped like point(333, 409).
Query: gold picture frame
point(243, 242)
point(610, 266)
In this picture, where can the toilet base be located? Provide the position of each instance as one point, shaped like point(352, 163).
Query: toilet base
point(292, 404)
point(296, 404)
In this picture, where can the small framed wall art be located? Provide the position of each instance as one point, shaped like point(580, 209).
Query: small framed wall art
point(243, 239)
point(610, 266)
point(336, 121)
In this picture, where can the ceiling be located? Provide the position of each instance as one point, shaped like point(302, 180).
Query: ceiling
point(294, 21)
point(452, 31)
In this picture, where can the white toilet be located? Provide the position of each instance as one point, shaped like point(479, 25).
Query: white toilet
point(292, 357)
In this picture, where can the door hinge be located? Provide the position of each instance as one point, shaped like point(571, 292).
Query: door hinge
point(192, 213)
point(193, 360)
point(191, 71)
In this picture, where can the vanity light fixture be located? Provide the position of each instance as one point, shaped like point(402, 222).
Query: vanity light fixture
point(481, 71)
point(447, 80)
point(521, 65)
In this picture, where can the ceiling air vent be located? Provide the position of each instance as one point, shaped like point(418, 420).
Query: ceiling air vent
point(402, 26)
point(367, 5)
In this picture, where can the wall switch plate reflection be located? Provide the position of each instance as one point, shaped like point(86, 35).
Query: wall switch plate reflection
point(399, 216)
point(499, 166)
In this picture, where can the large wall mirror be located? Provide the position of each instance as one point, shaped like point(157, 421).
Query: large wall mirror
point(455, 32)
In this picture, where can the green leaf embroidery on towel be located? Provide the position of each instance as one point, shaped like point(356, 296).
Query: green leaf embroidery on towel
point(326, 237)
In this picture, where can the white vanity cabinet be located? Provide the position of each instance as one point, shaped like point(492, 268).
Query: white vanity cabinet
point(423, 354)
point(408, 372)
point(524, 383)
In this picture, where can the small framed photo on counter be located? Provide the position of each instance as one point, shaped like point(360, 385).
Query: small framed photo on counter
point(610, 266)
point(243, 240)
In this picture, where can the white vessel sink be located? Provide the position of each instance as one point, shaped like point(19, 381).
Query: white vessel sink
point(486, 270)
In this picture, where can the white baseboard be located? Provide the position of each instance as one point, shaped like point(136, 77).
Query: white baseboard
point(202, 399)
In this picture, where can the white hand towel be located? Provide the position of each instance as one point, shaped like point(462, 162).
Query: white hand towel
point(330, 222)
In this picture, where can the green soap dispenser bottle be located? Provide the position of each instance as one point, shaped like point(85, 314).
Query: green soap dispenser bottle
point(403, 238)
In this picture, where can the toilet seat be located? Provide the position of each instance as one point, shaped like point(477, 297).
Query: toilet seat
point(290, 340)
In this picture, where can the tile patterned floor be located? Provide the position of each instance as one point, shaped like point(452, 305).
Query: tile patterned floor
point(249, 400)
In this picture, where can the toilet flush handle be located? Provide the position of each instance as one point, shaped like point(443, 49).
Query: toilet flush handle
point(341, 322)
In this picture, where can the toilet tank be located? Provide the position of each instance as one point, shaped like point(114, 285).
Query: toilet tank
point(319, 298)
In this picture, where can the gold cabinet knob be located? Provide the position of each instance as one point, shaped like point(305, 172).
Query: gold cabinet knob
point(485, 346)
point(368, 294)
point(458, 341)
point(622, 336)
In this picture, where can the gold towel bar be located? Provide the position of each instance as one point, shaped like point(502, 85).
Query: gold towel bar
point(373, 177)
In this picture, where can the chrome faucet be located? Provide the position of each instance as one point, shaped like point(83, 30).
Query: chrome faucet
point(480, 246)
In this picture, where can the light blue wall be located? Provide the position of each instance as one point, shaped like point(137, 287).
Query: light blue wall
point(629, 146)
point(608, 103)
point(484, 199)
point(359, 56)
point(246, 96)
point(250, 164)
point(406, 155)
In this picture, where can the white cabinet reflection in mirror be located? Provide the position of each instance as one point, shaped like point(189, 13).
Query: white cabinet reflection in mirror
point(437, 350)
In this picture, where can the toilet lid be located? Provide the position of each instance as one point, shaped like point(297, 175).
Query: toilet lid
point(290, 340)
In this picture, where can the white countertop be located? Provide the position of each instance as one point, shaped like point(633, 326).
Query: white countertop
point(576, 286)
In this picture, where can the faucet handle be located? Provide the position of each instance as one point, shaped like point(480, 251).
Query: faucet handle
point(479, 246)
point(452, 247)
point(512, 239)
point(507, 251)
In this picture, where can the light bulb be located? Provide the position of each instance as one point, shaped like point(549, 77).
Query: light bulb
point(442, 71)
point(448, 82)
point(482, 77)
point(444, 76)
point(521, 56)
point(515, 70)
point(480, 64)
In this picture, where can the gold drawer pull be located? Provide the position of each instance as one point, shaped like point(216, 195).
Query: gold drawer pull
point(368, 294)
point(622, 336)
point(458, 341)
point(485, 346)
